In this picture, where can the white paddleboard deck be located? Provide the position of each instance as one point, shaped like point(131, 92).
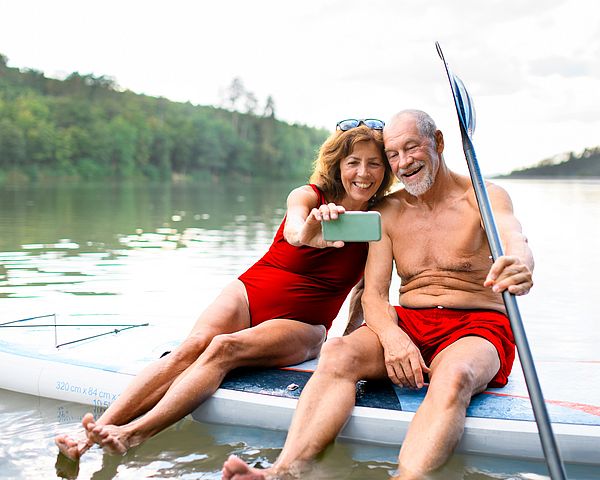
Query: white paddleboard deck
point(500, 421)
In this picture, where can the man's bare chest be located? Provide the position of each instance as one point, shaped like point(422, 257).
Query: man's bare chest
point(442, 243)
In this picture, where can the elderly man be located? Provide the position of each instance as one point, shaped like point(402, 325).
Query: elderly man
point(450, 326)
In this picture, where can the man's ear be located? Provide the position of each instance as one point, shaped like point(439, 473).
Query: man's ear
point(439, 141)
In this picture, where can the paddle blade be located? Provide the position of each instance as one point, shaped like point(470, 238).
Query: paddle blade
point(465, 102)
point(462, 100)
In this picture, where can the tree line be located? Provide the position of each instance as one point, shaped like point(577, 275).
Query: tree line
point(585, 164)
point(85, 127)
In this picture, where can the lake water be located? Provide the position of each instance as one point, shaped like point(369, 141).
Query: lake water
point(153, 252)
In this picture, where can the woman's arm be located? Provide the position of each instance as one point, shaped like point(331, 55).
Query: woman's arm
point(304, 217)
point(355, 313)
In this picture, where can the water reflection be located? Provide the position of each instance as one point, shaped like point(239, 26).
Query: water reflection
point(87, 213)
point(82, 239)
point(164, 251)
point(558, 218)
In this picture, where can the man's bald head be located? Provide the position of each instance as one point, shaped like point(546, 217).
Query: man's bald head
point(425, 124)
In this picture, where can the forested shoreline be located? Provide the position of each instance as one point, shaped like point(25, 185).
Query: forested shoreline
point(572, 165)
point(85, 128)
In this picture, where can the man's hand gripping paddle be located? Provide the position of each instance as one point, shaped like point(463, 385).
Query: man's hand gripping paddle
point(466, 119)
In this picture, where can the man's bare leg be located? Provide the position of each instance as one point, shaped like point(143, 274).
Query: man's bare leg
point(324, 406)
point(228, 313)
point(457, 373)
point(273, 343)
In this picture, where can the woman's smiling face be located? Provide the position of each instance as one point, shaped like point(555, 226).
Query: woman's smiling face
point(362, 173)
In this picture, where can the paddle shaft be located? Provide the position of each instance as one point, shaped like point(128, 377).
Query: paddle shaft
point(551, 452)
point(116, 330)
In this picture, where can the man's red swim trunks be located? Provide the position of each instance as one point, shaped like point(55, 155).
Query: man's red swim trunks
point(303, 283)
point(433, 329)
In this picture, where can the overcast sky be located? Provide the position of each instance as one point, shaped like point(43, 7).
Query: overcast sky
point(532, 67)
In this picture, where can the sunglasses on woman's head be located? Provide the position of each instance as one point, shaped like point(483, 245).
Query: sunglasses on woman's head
point(350, 123)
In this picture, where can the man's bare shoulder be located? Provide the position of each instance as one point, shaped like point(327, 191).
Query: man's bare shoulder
point(392, 202)
point(498, 195)
point(495, 189)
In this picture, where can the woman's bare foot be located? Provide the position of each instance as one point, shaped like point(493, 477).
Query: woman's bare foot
point(65, 467)
point(113, 439)
point(73, 447)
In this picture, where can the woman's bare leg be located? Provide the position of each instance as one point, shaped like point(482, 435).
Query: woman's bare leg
point(274, 343)
point(228, 313)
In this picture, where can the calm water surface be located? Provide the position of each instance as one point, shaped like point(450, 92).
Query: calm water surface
point(163, 252)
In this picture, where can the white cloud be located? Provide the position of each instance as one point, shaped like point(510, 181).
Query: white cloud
point(559, 65)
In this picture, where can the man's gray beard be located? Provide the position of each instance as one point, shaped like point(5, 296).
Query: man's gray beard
point(421, 187)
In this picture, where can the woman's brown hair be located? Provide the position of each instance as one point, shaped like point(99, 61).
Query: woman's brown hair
point(326, 173)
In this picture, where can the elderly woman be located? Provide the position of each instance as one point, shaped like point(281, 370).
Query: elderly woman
point(275, 314)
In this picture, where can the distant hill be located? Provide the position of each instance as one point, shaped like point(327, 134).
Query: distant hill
point(587, 164)
point(86, 127)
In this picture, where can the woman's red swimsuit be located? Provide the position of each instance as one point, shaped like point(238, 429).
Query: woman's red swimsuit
point(303, 283)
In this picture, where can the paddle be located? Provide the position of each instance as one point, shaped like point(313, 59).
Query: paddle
point(466, 117)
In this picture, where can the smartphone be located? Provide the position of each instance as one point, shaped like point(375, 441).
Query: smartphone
point(353, 227)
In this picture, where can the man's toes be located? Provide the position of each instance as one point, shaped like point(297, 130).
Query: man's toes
point(235, 465)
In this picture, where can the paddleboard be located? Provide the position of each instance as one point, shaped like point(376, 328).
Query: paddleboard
point(499, 421)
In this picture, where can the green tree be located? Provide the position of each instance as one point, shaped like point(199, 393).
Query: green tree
point(235, 92)
point(251, 103)
point(83, 126)
point(269, 110)
point(124, 139)
point(12, 145)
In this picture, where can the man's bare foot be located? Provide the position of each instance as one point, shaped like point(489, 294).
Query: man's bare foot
point(73, 447)
point(235, 468)
point(405, 474)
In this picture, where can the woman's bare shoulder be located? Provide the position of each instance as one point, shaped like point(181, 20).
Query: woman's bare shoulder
point(304, 193)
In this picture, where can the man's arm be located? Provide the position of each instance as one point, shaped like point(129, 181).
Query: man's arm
point(403, 360)
point(513, 270)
